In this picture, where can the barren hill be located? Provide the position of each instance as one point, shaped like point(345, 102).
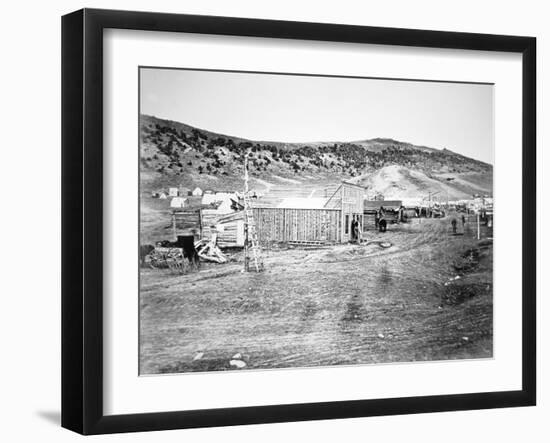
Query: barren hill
point(174, 153)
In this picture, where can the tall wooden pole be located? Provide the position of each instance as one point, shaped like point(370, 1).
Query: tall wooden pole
point(246, 239)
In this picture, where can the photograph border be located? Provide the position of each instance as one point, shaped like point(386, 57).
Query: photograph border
point(82, 220)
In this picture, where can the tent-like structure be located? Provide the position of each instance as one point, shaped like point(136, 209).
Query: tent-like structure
point(178, 202)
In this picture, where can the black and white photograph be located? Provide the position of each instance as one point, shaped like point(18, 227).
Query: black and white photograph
point(295, 221)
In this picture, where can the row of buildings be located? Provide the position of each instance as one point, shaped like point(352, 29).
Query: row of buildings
point(180, 191)
point(292, 220)
point(335, 218)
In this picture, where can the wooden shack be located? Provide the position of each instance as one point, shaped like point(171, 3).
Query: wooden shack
point(228, 227)
point(187, 223)
point(348, 198)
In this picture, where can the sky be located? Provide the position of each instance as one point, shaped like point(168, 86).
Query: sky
point(293, 108)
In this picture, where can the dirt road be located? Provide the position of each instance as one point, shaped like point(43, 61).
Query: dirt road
point(427, 297)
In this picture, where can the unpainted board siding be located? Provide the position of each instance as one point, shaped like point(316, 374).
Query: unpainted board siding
point(275, 225)
point(232, 228)
point(209, 219)
point(186, 223)
point(351, 202)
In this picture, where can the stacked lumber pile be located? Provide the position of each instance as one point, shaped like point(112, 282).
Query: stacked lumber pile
point(208, 250)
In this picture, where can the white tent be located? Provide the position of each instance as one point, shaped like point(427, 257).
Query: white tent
point(178, 202)
point(197, 191)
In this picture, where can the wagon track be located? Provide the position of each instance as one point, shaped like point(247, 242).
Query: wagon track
point(344, 305)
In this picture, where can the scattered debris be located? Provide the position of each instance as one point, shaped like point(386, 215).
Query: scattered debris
point(382, 244)
point(452, 279)
point(167, 257)
point(208, 250)
point(237, 356)
point(237, 363)
point(465, 338)
point(380, 335)
point(198, 356)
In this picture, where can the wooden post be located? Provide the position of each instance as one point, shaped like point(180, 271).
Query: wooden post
point(246, 252)
point(174, 225)
point(200, 224)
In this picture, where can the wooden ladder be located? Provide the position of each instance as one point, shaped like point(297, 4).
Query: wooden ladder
point(251, 244)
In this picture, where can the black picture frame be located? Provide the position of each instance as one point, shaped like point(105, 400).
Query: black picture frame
point(82, 219)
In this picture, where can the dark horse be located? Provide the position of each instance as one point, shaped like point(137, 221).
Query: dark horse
point(187, 243)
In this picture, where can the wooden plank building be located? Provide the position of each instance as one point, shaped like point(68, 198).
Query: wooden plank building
point(328, 221)
point(283, 225)
point(348, 198)
point(228, 227)
point(187, 223)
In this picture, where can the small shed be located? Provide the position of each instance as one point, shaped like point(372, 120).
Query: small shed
point(187, 222)
point(172, 192)
point(197, 192)
point(184, 192)
point(229, 228)
point(349, 199)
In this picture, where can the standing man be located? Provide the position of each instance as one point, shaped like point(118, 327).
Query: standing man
point(453, 223)
point(354, 229)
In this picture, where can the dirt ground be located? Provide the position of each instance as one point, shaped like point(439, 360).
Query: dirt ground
point(427, 297)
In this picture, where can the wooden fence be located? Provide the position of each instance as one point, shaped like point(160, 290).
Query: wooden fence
point(275, 225)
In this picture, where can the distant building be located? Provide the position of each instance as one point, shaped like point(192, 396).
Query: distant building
point(390, 210)
point(197, 192)
point(173, 192)
point(178, 202)
point(184, 192)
